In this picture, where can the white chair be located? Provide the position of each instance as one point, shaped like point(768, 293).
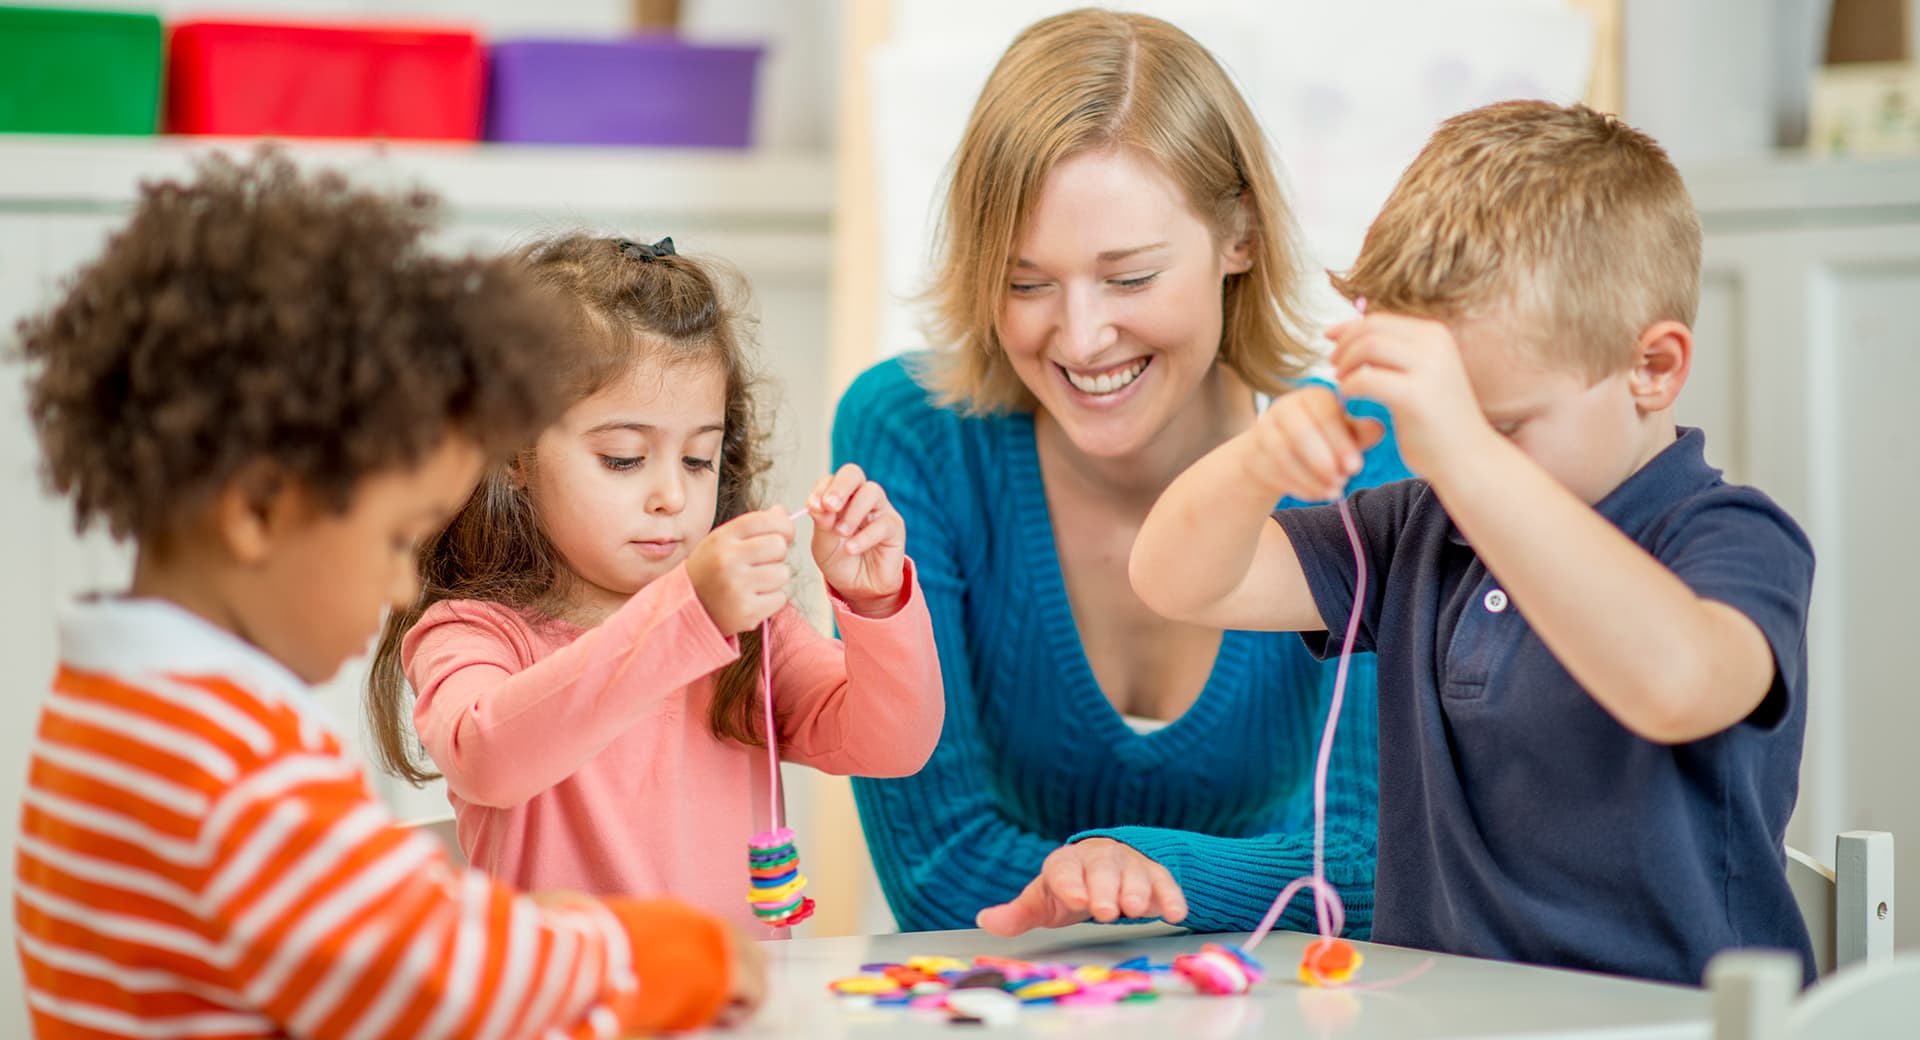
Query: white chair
point(1756, 996)
point(1849, 909)
point(440, 829)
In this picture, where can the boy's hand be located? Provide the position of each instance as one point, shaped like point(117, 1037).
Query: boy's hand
point(1412, 365)
point(739, 570)
point(747, 979)
point(859, 541)
point(1306, 445)
point(1098, 878)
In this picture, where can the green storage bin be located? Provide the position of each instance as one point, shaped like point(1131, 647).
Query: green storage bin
point(78, 72)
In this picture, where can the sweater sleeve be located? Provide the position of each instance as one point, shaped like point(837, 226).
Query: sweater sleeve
point(867, 704)
point(504, 727)
point(337, 923)
point(941, 845)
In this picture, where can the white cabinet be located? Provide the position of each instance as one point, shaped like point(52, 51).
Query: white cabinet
point(1806, 375)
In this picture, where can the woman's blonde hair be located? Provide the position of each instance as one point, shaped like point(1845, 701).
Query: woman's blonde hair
point(1089, 80)
point(631, 303)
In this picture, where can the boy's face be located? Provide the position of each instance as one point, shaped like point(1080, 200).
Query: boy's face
point(1590, 436)
point(627, 482)
point(316, 597)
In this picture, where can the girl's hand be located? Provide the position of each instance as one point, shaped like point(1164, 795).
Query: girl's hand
point(859, 541)
point(1098, 878)
point(739, 570)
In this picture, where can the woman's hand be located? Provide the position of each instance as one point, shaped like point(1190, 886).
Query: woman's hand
point(1097, 879)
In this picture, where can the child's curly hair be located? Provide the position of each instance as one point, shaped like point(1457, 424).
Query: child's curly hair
point(257, 314)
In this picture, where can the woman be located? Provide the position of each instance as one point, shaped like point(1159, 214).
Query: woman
point(1117, 290)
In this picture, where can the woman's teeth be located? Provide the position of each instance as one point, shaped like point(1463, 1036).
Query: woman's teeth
point(1106, 382)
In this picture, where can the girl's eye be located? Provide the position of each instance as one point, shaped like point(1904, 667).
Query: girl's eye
point(1136, 283)
point(697, 464)
point(619, 463)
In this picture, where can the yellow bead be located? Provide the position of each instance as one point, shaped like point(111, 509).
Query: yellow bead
point(1047, 988)
point(870, 985)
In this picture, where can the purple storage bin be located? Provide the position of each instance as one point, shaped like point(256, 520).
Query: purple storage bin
point(647, 90)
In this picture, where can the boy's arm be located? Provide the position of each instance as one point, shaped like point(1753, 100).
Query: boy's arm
point(1665, 662)
point(1209, 554)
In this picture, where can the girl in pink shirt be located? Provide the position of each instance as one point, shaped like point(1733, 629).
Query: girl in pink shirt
point(584, 659)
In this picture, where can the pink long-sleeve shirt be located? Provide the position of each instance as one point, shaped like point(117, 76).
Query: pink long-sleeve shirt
point(581, 759)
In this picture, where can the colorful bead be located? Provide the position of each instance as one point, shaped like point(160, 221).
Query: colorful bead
point(1329, 962)
point(777, 892)
point(1219, 970)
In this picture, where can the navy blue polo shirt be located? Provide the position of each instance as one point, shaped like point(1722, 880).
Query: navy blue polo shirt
point(1518, 820)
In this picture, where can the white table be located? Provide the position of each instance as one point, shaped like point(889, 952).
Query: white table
point(1455, 997)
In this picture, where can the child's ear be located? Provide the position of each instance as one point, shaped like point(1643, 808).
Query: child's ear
point(1244, 240)
point(254, 507)
point(1663, 358)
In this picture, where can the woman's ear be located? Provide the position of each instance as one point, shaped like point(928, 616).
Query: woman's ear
point(1244, 240)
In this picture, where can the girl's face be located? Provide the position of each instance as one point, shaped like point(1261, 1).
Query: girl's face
point(626, 483)
point(1112, 314)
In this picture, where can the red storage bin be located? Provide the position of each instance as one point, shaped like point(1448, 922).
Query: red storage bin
point(288, 80)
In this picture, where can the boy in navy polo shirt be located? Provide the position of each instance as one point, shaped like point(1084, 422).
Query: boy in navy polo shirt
point(1592, 650)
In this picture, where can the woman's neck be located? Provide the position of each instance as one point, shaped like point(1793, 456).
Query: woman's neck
point(1222, 406)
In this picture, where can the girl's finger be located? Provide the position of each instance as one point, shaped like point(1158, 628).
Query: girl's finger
point(864, 502)
point(842, 485)
point(882, 527)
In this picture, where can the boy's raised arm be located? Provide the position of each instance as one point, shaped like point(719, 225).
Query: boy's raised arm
point(1209, 552)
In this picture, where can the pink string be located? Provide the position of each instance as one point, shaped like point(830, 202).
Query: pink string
point(766, 700)
point(766, 697)
point(1330, 913)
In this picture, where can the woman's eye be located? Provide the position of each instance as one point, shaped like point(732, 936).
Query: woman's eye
point(620, 463)
point(1025, 288)
point(1136, 283)
point(697, 464)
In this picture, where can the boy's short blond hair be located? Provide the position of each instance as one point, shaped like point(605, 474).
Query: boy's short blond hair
point(1567, 223)
point(1084, 81)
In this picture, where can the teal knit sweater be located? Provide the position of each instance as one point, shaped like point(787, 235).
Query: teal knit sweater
point(1034, 755)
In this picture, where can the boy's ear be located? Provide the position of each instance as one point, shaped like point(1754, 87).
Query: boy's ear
point(1245, 239)
point(1663, 358)
point(255, 507)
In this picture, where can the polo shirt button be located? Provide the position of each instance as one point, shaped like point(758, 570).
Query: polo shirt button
point(1496, 601)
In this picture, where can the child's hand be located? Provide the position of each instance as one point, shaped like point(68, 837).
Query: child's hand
point(739, 570)
point(747, 975)
point(859, 541)
point(1412, 365)
point(1306, 445)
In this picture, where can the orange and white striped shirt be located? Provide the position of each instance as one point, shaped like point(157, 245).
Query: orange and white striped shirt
point(198, 858)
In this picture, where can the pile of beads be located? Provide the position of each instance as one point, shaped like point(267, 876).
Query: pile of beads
point(777, 893)
point(991, 990)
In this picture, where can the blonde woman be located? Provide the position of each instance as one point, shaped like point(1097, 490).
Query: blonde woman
point(1116, 295)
